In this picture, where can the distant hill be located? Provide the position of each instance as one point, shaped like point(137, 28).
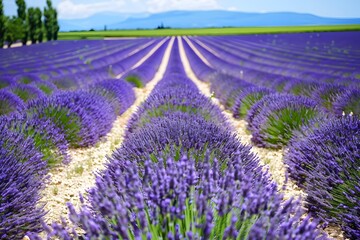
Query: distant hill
point(198, 19)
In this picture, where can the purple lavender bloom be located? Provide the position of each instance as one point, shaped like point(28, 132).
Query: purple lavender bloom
point(301, 87)
point(83, 117)
point(9, 103)
point(220, 83)
point(323, 158)
point(348, 102)
point(327, 94)
point(25, 92)
point(117, 91)
point(247, 99)
point(5, 81)
point(45, 86)
point(26, 78)
point(48, 139)
point(277, 116)
point(22, 174)
point(167, 101)
point(171, 198)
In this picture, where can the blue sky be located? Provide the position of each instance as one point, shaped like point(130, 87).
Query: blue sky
point(69, 9)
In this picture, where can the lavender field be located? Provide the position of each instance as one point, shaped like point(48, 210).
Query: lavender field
point(222, 137)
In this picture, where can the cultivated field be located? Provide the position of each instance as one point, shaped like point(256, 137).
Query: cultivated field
point(191, 137)
point(203, 31)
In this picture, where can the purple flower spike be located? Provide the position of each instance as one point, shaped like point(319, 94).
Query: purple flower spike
point(9, 103)
point(277, 116)
point(324, 160)
point(22, 172)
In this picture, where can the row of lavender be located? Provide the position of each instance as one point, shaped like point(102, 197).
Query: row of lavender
point(70, 74)
point(38, 135)
point(342, 94)
point(322, 148)
point(182, 174)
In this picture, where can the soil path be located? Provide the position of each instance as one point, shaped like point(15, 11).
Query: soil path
point(68, 181)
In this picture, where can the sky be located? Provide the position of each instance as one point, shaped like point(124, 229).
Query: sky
point(72, 9)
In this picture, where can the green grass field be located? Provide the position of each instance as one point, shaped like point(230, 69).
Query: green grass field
point(202, 31)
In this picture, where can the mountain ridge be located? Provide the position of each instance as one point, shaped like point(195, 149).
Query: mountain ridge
point(198, 19)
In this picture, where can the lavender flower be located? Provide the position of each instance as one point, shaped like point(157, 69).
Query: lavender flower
point(9, 103)
point(348, 102)
point(22, 174)
point(25, 92)
point(324, 160)
point(175, 199)
point(276, 120)
point(117, 91)
point(247, 99)
point(84, 117)
point(47, 138)
point(26, 78)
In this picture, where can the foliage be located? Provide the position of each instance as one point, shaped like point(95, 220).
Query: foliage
point(2, 24)
point(15, 30)
point(50, 21)
point(35, 25)
point(22, 16)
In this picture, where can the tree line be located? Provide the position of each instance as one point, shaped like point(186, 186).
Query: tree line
point(29, 24)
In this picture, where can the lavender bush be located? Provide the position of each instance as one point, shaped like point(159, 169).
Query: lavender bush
point(327, 94)
point(274, 123)
point(183, 199)
point(348, 102)
point(324, 160)
point(47, 138)
point(22, 174)
point(247, 99)
point(9, 103)
point(5, 81)
point(84, 117)
point(172, 100)
point(25, 92)
point(117, 91)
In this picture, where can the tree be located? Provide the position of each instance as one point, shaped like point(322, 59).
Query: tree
point(14, 30)
point(32, 24)
point(2, 24)
point(21, 11)
point(35, 25)
point(51, 22)
point(39, 25)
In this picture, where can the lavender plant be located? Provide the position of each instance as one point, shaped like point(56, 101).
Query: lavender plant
point(26, 78)
point(47, 138)
point(135, 80)
point(247, 99)
point(276, 120)
point(170, 100)
point(5, 81)
point(117, 91)
point(348, 102)
point(9, 103)
point(327, 94)
point(46, 87)
point(83, 117)
point(181, 199)
point(324, 159)
point(25, 92)
point(22, 174)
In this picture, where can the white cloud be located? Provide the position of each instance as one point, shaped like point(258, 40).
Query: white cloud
point(167, 5)
point(69, 10)
point(73, 9)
